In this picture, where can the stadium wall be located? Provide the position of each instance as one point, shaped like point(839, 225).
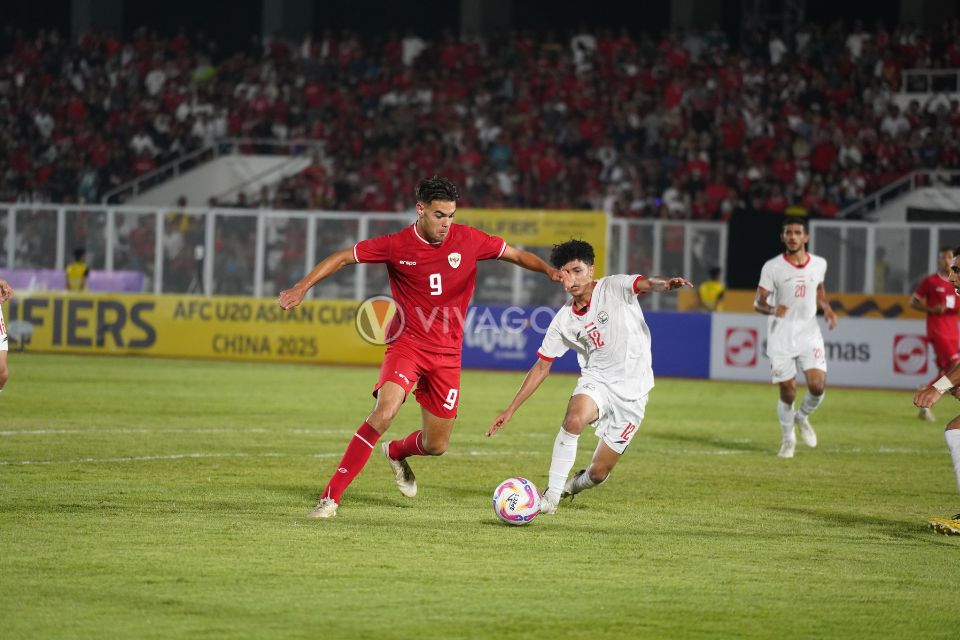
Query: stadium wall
point(861, 352)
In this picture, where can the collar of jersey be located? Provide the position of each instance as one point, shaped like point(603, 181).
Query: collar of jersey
point(421, 238)
point(792, 264)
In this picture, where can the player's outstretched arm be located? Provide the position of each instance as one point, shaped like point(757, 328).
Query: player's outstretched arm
point(289, 298)
point(828, 314)
point(926, 398)
point(533, 262)
point(6, 291)
point(662, 283)
point(537, 374)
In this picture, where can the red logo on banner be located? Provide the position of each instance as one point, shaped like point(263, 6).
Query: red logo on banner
point(740, 347)
point(910, 354)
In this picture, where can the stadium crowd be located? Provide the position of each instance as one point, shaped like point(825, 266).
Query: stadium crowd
point(684, 127)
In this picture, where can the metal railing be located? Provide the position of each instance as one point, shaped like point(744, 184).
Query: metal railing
point(226, 146)
point(879, 257)
point(899, 187)
point(260, 251)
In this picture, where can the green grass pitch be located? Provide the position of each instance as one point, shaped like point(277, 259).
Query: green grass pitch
point(144, 498)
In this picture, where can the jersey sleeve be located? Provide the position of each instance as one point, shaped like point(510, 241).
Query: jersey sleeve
point(553, 345)
point(488, 247)
point(766, 278)
point(373, 250)
point(922, 290)
point(626, 286)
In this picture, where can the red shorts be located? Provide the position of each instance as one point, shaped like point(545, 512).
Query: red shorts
point(945, 347)
point(436, 376)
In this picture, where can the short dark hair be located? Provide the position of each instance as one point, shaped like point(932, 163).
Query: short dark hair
point(714, 272)
point(571, 250)
point(950, 249)
point(436, 188)
point(79, 253)
point(787, 221)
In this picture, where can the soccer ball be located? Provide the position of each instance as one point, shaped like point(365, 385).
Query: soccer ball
point(516, 501)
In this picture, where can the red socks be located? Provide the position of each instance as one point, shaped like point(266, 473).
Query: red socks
point(354, 458)
point(412, 445)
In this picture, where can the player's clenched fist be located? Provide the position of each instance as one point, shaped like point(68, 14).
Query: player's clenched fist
point(289, 298)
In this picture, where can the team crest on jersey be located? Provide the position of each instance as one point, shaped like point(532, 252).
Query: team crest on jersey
point(454, 259)
point(602, 317)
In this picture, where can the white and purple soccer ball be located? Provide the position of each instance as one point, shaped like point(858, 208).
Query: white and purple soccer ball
point(516, 501)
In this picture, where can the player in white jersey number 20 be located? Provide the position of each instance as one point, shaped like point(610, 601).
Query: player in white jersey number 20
point(604, 324)
point(790, 290)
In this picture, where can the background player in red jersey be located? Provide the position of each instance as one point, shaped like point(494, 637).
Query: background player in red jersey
point(928, 396)
point(936, 297)
point(432, 266)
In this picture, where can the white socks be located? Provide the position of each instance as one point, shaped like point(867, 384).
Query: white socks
point(785, 414)
point(810, 403)
point(953, 443)
point(564, 455)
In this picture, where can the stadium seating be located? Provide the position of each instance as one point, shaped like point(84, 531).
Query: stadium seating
point(684, 127)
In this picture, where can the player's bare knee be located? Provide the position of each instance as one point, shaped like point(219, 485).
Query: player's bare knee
point(381, 417)
point(954, 424)
point(788, 394)
point(817, 388)
point(574, 425)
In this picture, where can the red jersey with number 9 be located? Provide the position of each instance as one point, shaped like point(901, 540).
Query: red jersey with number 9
point(431, 283)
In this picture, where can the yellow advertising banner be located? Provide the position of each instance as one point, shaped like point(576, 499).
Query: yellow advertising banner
point(191, 326)
point(855, 305)
point(543, 228)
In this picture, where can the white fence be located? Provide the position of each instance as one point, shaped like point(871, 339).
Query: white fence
point(880, 257)
point(260, 252)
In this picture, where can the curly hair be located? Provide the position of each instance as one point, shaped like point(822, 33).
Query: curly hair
point(571, 250)
point(436, 188)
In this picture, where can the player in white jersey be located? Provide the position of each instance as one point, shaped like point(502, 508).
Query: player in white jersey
point(6, 292)
point(604, 324)
point(790, 290)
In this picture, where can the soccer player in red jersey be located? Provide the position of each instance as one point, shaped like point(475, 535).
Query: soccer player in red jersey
point(936, 297)
point(432, 267)
point(925, 398)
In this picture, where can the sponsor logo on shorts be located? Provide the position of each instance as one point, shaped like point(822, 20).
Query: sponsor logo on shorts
point(740, 347)
point(379, 320)
point(910, 354)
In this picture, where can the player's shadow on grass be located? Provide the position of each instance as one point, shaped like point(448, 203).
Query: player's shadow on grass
point(711, 441)
point(892, 528)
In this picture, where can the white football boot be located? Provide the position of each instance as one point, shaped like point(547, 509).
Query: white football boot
point(326, 508)
point(807, 433)
point(787, 447)
point(402, 473)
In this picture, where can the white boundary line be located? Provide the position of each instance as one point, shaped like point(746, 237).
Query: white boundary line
point(200, 456)
point(454, 454)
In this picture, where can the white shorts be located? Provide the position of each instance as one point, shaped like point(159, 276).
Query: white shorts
point(807, 354)
point(3, 333)
point(619, 418)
